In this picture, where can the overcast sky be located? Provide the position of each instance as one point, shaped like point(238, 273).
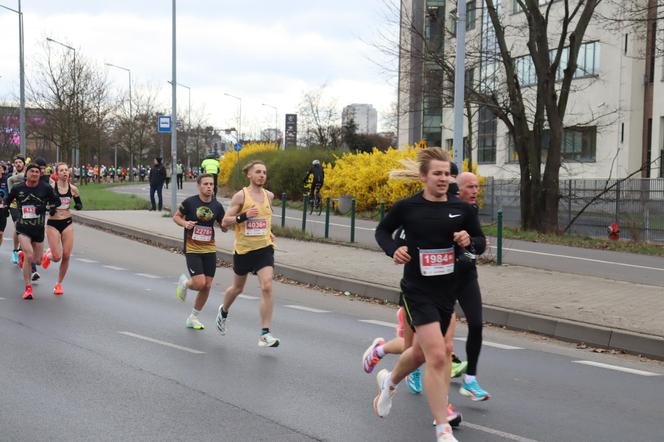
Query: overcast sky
point(263, 51)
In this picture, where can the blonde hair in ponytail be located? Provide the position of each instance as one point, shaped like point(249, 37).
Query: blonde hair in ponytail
point(414, 169)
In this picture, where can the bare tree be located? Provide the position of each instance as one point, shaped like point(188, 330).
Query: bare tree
point(319, 120)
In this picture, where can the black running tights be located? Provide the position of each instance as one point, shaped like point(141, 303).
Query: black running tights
point(470, 301)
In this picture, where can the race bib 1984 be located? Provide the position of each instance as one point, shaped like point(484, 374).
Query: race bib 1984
point(436, 262)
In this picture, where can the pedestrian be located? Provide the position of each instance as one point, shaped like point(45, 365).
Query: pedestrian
point(250, 212)
point(156, 178)
point(197, 215)
point(180, 174)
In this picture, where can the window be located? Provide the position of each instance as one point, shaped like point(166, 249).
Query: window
point(587, 62)
point(469, 78)
point(470, 15)
point(579, 143)
point(486, 136)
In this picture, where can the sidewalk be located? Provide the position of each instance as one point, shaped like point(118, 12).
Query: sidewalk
point(571, 307)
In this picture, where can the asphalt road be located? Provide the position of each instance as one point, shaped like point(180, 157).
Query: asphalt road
point(629, 267)
point(112, 360)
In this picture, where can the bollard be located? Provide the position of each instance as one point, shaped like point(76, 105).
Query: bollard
point(382, 210)
point(304, 212)
point(499, 235)
point(283, 209)
point(352, 220)
point(328, 202)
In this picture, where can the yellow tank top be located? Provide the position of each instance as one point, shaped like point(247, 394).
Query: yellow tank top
point(254, 233)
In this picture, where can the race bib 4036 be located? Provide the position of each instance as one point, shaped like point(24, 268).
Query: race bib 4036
point(436, 262)
point(255, 227)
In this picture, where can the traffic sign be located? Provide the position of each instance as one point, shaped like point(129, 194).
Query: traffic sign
point(164, 124)
point(237, 147)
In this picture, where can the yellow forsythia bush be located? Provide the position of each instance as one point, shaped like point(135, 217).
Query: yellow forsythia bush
point(364, 176)
point(229, 160)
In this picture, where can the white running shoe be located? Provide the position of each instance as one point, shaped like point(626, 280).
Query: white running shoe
point(193, 322)
point(267, 340)
point(383, 402)
point(446, 436)
point(181, 289)
point(221, 321)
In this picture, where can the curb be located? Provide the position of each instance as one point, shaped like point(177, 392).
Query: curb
point(565, 330)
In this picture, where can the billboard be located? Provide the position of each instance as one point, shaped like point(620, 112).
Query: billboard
point(291, 130)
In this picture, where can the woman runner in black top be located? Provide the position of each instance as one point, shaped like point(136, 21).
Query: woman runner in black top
point(435, 227)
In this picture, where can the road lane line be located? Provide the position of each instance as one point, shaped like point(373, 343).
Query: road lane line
point(250, 298)
point(147, 275)
point(493, 344)
point(119, 269)
point(164, 343)
point(3, 299)
point(502, 434)
point(583, 259)
point(306, 309)
point(382, 323)
point(89, 261)
point(617, 368)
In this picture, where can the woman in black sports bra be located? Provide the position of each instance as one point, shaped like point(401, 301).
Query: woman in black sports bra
point(59, 227)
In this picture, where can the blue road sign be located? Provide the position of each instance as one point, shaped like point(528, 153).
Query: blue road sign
point(237, 147)
point(164, 125)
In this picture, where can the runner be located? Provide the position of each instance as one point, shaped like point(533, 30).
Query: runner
point(197, 214)
point(4, 211)
point(33, 198)
point(60, 228)
point(251, 213)
point(436, 228)
point(17, 178)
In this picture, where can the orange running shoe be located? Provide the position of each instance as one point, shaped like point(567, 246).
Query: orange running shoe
point(57, 290)
point(21, 258)
point(45, 262)
point(28, 292)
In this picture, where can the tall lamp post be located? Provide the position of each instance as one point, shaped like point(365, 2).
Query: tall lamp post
point(174, 108)
point(189, 113)
point(76, 155)
point(276, 121)
point(131, 121)
point(239, 130)
point(21, 118)
point(459, 80)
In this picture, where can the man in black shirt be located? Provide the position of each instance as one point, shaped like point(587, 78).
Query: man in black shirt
point(157, 178)
point(437, 229)
point(33, 199)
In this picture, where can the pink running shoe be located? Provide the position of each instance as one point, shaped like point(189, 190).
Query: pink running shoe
point(370, 358)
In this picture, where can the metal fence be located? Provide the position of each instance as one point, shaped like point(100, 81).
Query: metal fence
point(636, 205)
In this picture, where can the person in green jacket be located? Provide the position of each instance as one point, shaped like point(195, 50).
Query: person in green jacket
point(211, 165)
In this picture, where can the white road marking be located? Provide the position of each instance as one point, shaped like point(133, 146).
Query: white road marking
point(164, 343)
point(493, 344)
point(383, 323)
point(89, 261)
point(3, 299)
point(250, 298)
point(147, 275)
point(532, 252)
point(502, 434)
point(119, 269)
point(306, 309)
point(347, 226)
point(617, 368)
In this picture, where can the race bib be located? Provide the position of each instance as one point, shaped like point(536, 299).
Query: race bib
point(255, 227)
point(436, 262)
point(29, 212)
point(202, 233)
point(64, 202)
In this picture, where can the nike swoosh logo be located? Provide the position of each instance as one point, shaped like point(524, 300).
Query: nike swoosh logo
point(191, 271)
point(455, 216)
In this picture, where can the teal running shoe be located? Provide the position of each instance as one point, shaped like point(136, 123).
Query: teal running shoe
point(15, 257)
point(473, 391)
point(414, 381)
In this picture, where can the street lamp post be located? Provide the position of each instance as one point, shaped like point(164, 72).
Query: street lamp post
point(188, 117)
point(276, 121)
point(76, 155)
point(239, 132)
point(131, 121)
point(174, 107)
point(21, 118)
point(459, 80)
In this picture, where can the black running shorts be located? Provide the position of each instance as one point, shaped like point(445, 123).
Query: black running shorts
point(421, 311)
point(201, 263)
point(36, 234)
point(253, 261)
point(15, 213)
point(3, 220)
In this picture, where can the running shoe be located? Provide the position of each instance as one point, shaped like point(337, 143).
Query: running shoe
point(193, 322)
point(28, 292)
point(459, 368)
point(21, 258)
point(454, 418)
point(370, 357)
point(36, 276)
point(15, 257)
point(181, 289)
point(221, 321)
point(45, 262)
point(57, 290)
point(414, 381)
point(474, 391)
point(446, 436)
point(267, 340)
point(383, 402)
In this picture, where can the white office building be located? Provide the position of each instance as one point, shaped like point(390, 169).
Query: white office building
point(364, 116)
